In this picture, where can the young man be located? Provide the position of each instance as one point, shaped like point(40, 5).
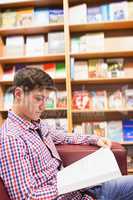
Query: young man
point(29, 161)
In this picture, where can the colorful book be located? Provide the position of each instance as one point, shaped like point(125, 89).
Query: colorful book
point(115, 67)
point(9, 71)
point(97, 14)
point(9, 18)
point(60, 70)
point(128, 129)
point(82, 100)
point(51, 101)
point(99, 100)
point(129, 98)
point(115, 100)
point(100, 128)
point(25, 17)
point(61, 101)
point(41, 16)
point(115, 131)
point(118, 10)
point(56, 16)
point(50, 68)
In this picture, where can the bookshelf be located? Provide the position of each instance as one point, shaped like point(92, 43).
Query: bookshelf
point(109, 28)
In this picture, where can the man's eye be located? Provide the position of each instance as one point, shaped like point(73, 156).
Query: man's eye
point(39, 98)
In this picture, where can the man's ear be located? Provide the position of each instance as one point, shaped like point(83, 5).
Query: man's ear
point(18, 93)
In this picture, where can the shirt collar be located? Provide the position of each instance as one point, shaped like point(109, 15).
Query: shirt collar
point(25, 124)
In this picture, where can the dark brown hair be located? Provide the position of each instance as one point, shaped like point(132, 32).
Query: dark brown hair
point(32, 78)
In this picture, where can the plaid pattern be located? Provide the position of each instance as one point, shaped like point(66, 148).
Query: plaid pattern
point(28, 167)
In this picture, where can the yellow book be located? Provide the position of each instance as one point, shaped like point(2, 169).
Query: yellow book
point(9, 18)
point(25, 16)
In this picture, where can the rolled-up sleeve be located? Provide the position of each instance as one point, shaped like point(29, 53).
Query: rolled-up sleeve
point(60, 136)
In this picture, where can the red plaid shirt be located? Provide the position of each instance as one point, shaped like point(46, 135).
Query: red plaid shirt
point(29, 165)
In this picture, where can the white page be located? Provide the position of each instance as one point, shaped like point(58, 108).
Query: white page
point(91, 170)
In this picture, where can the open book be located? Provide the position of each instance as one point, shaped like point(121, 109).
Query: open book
point(96, 168)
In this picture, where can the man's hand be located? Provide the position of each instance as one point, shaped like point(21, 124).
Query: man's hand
point(103, 142)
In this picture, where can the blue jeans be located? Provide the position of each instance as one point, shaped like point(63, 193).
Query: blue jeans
point(117, 189)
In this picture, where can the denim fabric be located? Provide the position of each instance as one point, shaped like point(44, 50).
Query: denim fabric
point(117, 189)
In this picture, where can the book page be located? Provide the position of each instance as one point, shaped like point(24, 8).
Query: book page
point(89, 171)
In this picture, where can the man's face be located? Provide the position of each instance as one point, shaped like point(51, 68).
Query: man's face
point(32, 104)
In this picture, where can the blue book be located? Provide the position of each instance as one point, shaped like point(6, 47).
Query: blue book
point(105, 12)
point(56, 16)
point(128, 129)
point(41, 16)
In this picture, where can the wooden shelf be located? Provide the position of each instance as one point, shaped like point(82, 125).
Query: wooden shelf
point(104, 111)
point(130, 170)
point(29, 59)
point(26, 3)
point(31, 30)
point(102, 81)
point(61, 80)
point(86, 55)
point(47, 109)
point(114, 25)
point(126, 143)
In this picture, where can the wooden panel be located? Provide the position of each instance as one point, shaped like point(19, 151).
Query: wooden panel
point(26, 59)
point(102, 81)
point(25, 3)
point(102, 26)
point(30, 30)
point(103, 54)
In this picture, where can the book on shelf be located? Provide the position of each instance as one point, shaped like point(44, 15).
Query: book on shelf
point(115, 67)
point(50, 68)
point(82, 100)
point(8, 100)
point(125, 43)
point(8, 18)
point(8, 72)
point(14, 46)
point(101, 166)
point(87, 128)
point(115, 131)
point(56, 43)
point(75, 44)
point(95, 42)
point(51, 101)
point(58, 124)
point(56, 15)
point(115, 99)
point(75, 17)
point(128, 130)
point(130, 9)
point(100, 128)
point(61, 101)
point(129, 98)
point(77, 129)
point(97, 13)
point(99, 100)
point(92, 69)
point(80, 70)
point(130, 161)
point(24, 17)
point(118, 10)
point(35, 45)
point(60, 70)
point(41, 16)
